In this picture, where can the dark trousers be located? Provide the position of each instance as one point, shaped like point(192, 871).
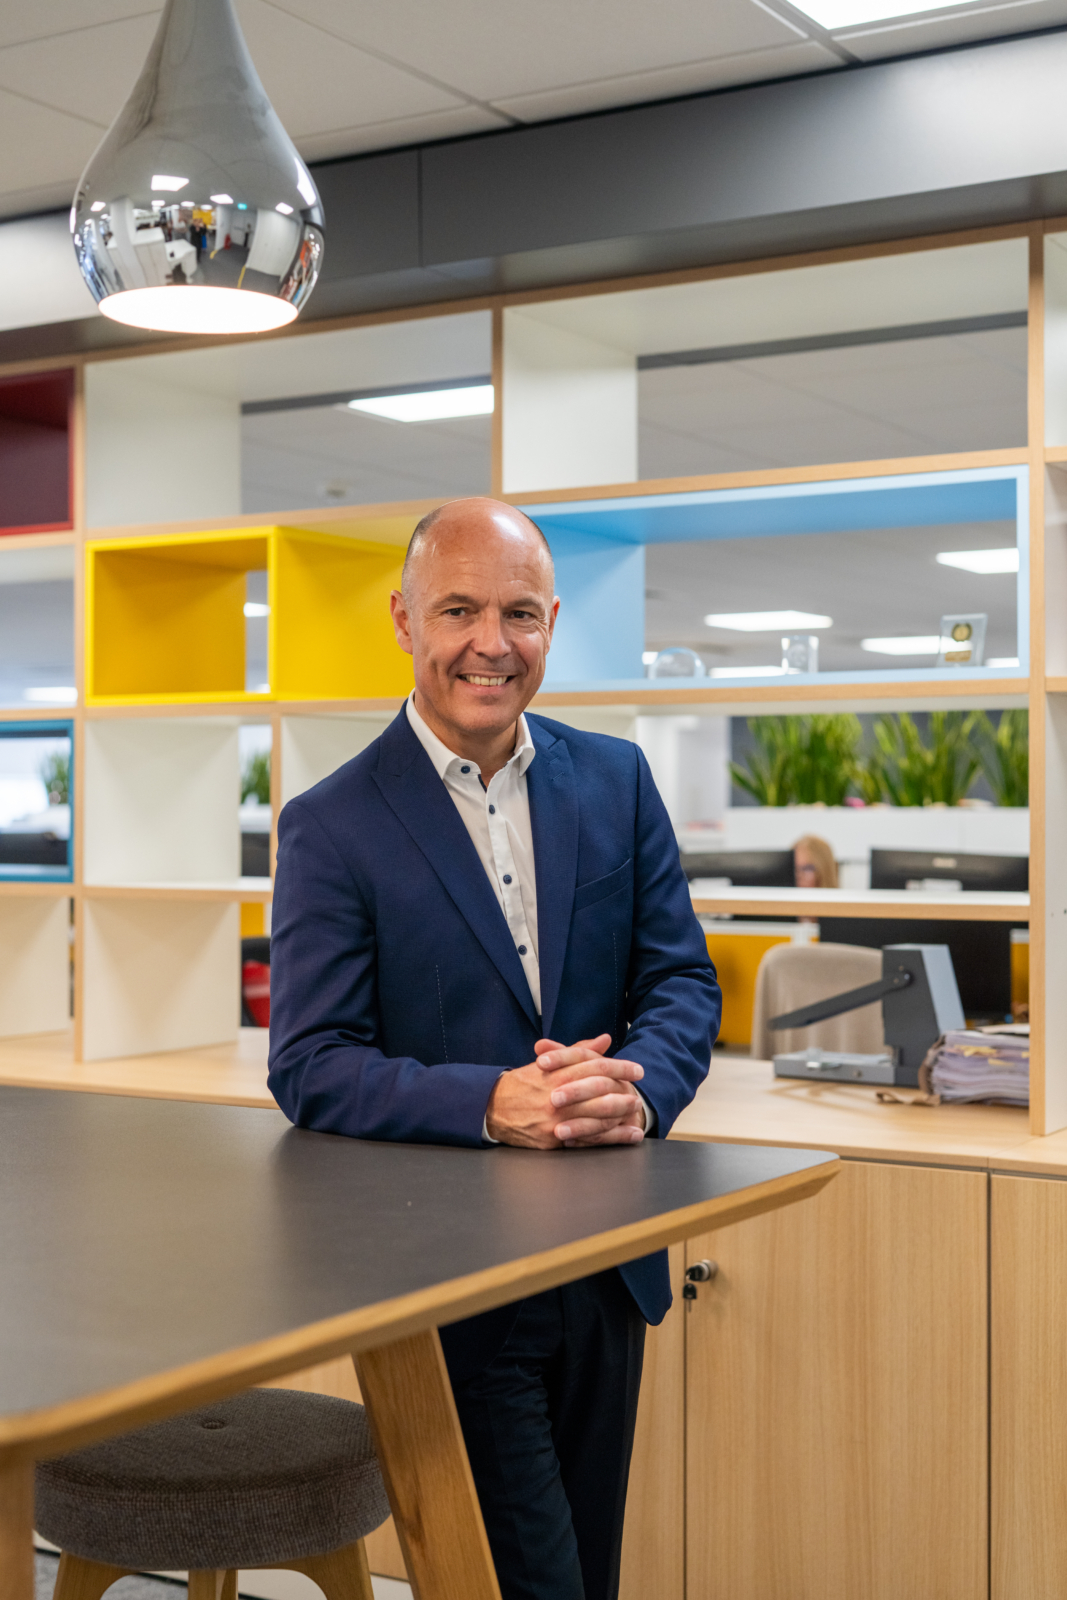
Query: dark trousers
point(549, 1428)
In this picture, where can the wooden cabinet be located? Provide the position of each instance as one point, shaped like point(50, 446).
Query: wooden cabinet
point(1028, 1388)
point(836, 1395)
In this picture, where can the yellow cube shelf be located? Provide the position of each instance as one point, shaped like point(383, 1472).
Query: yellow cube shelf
point(165, 617)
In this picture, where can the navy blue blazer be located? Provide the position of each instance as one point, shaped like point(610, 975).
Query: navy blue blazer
point(397, 995)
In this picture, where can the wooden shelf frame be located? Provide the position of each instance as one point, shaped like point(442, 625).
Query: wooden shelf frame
point(313, 730)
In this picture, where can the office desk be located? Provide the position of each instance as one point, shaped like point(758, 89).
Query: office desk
point(155, 1255)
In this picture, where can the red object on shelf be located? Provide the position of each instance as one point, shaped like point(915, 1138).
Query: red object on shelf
point(255, 991)
point(35, 452)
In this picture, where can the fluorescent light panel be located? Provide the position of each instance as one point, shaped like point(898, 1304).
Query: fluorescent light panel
point(52, 695)
point(429, 405)
point(837, 14)
point(751, 672)
point(767, 621)
point(981, 561)
point(917, 644)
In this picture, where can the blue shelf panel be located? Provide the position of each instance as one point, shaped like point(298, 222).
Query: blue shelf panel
point(599, 548)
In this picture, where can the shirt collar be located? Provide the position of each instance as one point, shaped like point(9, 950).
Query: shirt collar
point(446, 760)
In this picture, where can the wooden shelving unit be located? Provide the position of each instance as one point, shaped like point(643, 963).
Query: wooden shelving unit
point(161, 672)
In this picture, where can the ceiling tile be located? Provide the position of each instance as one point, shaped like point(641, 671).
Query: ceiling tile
point(85, 73)
point(662, 83)
point(877, 41)
point(41, 148)
point(495, 51)
point(455, 123)
point(334, 85)
point(45, 19)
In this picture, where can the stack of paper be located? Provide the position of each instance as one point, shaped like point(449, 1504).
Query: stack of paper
point(983, 1064)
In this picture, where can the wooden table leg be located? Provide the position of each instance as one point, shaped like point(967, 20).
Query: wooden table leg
point(16, 1527)
point(427, 1475)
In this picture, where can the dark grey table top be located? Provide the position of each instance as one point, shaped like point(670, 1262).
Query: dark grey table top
point(141, 1236)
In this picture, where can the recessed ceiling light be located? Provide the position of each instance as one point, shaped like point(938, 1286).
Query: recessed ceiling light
point(766, 621)
point(913, 644)
point(52, 695)
point(983, 561)
point(750, 672)
point(221, 199)
point(836, 14)
point(167, 183)
point(285, 210)
point(98, 205)
point(429, 405)
point(256, 608)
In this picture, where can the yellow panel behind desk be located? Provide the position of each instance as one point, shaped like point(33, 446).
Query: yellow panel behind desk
point(737, 948)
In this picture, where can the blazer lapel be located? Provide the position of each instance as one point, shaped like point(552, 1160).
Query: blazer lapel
point(407, 780)
point(553, 792)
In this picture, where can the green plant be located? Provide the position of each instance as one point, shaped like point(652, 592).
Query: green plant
point(1004, 752)
point(808, 760)
point(908, 771)
point(54, 771)
point(255, 779)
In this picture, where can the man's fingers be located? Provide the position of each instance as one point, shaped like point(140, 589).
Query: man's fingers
point(581, 1136)
point(582, 1089)
point(592, 1066)
point(605, 1108)
point(551, 1056)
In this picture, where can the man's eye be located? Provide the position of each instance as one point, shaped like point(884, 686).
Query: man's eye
point(455, 611)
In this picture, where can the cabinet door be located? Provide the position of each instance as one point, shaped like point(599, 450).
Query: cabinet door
point(837, 1395)
point(1028, 1389)
point(653, 1546)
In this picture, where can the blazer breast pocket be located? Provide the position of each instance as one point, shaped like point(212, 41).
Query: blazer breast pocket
point(590, 894)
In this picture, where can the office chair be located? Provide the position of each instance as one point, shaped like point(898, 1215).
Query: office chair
point(793, 975)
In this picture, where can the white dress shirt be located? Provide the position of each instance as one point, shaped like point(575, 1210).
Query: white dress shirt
point(497, 818)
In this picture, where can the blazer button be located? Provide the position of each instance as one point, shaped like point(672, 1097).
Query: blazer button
point(522, 949)
point(492, 811)
point(507, 877)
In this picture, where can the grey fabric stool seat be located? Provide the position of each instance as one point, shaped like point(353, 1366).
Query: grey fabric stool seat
point(268, 1478)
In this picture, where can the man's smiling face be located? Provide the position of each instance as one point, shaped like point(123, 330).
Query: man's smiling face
point(477, 615)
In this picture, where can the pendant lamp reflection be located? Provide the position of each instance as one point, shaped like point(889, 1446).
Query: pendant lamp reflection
point(196, 214)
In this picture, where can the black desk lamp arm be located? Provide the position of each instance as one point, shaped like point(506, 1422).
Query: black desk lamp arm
point(837, 1004)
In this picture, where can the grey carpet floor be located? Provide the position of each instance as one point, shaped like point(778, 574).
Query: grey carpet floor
point(125, 1589)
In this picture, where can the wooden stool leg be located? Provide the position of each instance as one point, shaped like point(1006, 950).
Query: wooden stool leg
point(229, 1586)
point(210, 1584)
point(79, 1579)
point(342, 1575)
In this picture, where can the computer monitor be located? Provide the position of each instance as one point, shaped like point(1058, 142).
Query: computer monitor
point(981, 953)
point(746, 869)
point(895, 869)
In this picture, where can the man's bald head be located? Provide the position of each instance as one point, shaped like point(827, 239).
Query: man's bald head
point(476, 612)
point(456, 517)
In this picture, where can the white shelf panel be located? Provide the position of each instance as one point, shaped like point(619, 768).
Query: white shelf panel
point(234, 890)
point(963, 907)
point(159, 974)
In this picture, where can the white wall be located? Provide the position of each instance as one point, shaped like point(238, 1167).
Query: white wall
point(158, 451)
point(570, 408)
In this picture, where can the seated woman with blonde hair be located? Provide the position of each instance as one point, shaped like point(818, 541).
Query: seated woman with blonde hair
point(814, 864)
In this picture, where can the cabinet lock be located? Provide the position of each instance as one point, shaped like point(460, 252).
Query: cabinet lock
point(699, 1272)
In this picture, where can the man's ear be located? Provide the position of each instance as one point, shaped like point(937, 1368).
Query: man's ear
point(401, 623)
point(552, 615)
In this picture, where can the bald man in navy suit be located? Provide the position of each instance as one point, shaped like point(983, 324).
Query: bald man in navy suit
point(482, 936)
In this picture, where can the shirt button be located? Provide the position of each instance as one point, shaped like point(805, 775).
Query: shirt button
point(492, 811)
point(522, 949)
point(464, 769)
point(507, 877)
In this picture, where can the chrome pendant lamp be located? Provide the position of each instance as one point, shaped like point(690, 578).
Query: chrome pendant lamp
point(196, 214)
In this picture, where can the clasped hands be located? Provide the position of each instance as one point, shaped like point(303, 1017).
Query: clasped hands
point(570, 1095)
